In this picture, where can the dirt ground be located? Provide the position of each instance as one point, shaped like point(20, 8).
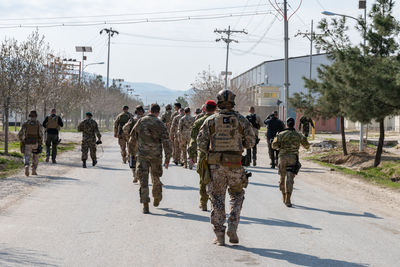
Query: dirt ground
point(12, 137)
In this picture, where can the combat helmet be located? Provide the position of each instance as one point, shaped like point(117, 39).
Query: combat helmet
point(226, 99)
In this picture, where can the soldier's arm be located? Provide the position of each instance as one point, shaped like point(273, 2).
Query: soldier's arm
point(80, 126)
point(96, 131)
point(60, 122)
point(249, 137)
point(45, 121)
point(116, 126)
point(276, 144)
point(40, 134)
point(312, 123)
point(203, 138)
point(21, 133)
point(304, 142)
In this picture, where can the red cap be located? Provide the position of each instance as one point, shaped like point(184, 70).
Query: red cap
point(211, 103)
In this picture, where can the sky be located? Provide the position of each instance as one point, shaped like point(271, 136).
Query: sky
point(170, 53)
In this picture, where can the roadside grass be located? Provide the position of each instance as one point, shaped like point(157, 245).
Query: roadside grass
point(387, 174)
point(9, 165)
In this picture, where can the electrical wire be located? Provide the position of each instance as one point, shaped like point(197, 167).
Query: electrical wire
point(319, 3)
point(137, 21)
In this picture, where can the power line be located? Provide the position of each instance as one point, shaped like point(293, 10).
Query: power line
point(137, 21)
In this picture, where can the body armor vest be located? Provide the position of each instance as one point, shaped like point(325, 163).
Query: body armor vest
point(124, 118)
point(227, 136)
point(32, 133)
point(52, 122)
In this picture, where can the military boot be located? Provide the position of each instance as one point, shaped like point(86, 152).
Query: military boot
point(124, 160)
point(146, 208)
point(185, 165)
point(27, 170)
point(284, 197)
point(54, 161)
point(156, 202)
point(34, 171)
point(203, 206)
point(219, 239)
point(94, 162)
point(254, 163)
point(83, 163)
point(233, 238)
point(47, 158)
point(135, 180)
point(287, 200)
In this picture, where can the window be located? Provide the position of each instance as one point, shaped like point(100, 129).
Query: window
point(270, 95)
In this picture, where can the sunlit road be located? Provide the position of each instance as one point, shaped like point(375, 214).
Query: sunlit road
point(92, 217)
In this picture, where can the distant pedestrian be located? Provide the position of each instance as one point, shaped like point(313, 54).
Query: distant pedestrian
point(184, 129)
point(31, 138)
point(305, 122)
point(90, 131)
point(255, 121)
point(274, 126)
point(173, 133)
point(52, 124)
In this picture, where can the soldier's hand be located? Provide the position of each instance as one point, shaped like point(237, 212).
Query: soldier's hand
point(116, 135)
point(166, 164)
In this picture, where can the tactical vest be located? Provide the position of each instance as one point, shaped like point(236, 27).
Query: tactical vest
point(32, 133)
point(52, 122)
point(227, 135)
point(253, 120)
point(124, 118)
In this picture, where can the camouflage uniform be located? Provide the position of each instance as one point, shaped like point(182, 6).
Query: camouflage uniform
point(175, 138)
point(89, 131)
point(193, 153)
point(306, 122)
point(288, 142)
point(222, 137)
point(184, 128)
point(131, 149)
point(119, 123)
point(31, 137)
point(150, 136)
point(166, 118)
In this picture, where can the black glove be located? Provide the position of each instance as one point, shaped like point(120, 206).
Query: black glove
point(98, 142)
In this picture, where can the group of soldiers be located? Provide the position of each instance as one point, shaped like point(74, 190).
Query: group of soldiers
point(215, 139)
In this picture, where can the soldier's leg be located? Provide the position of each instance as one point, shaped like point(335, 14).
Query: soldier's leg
point(122, 145)
point(216, 189)
point(84, 149)
point(203, 196)
point(35, 159)
point(271, 153)
point(156, 173)
point(282, 173)
point(54, 144)
point(92, 147)
point(27, 157)
point(236, 193)
point(184, 152)
point(178, 150)
point(142, 172)
point(48, 144)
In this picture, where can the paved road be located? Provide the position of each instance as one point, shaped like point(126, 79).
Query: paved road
point(92, 217)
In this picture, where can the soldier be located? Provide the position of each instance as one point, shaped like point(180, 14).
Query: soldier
point(223, 137)
point(31, 138)
point(184, 128)
point(201, 114)
point(202, 167)
point(121, 120)
point(274, 126)
point(306, 121)
point(52, 124)
point(131, 149)
point(177, 108)
point(255, 121)
point(166, 118)
point(150, 136)
point(173, 133)
point(288, 142)
point(89, 131)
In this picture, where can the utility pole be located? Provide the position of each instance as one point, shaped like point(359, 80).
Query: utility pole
point(110, 33)
point(227, 40)
point(362, 4)
point(286, 82)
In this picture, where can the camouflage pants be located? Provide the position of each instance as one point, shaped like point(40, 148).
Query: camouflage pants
point(203, 193)
point(28, 153)
point(143, 167)
point(123, 145)
point(223, 177)
point(287, 178)
point(177, 151)
point(86, 146)
point(183, 144)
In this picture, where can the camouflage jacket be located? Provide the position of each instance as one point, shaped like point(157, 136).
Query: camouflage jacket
point(199, 116)
point(150, 136)
point(166, 118)
point(192, 149)
point(246, 132)
point(306, 122)
point(89, 130)
point(22, 132)
point(127, 132)
point(288, 142)
point(174, 114)
point(185, 126)
point(174, 126)
point(118, 131)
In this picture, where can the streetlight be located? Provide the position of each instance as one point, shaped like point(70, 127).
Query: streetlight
point(95, 63)
point(362, 5)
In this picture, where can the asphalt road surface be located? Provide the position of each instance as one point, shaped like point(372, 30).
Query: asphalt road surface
point(92, 217)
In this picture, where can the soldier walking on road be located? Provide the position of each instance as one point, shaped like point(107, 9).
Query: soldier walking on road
point(166, 118)
point(52, 124)
point(202, 168)
point(223, 137)
point(119, 123)
point(306, 121)
point(175, 137)
point(177, 108)
point(89, 130)
point(274, 126)
point(31, 138)
point(288, 142)
point(139, 112)
point(255, 121)
point(150, 136)
point(184, 128)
